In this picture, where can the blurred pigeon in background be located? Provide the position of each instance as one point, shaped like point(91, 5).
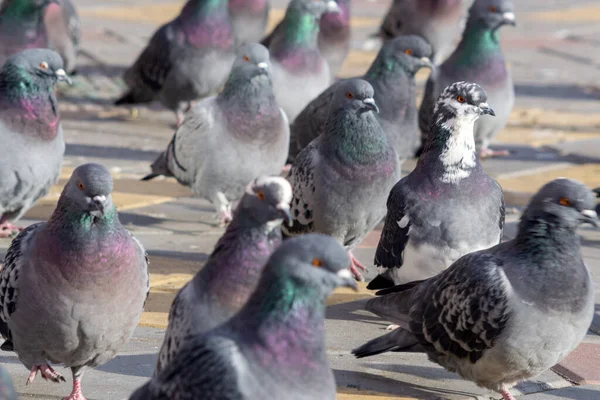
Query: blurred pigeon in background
point(249, 19)
point(334, 36)
point(64, 31)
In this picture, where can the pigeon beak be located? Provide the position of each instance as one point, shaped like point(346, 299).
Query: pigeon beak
point(426, 63)
point(347, 279)
point(485, 109)
point(263, 65)
point(62, 76)
point(591, 217)
point(370, 104)
point(284, 212)
point(100, 203)
point(508, 18)
point(333, 7)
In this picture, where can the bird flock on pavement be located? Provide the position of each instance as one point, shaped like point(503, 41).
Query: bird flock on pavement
point(299, 167)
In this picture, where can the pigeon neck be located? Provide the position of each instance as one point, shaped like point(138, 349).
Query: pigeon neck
point(300, 30)
point(248, 6)
point(478, 42)
point(387, 68)
point(539, 230)
point(395, 93)
point(24, 11)
point(331, 22)
point(437, 7)
point(207, 23)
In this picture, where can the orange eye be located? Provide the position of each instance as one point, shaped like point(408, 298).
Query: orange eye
point(408, 52)
point(461, 99)
point(349, 95)
point(246, 58)
point(80, 186)
point(493, 9)
point(260, 195)
point(565, 202)
point(44, 65)
point(317, 262)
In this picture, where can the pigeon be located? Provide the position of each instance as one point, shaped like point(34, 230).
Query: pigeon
point(300, 72)
point(30, 132)
point(7, 389)
point(479, 59)
point(274, 348)
point(447, 206)
point(63, 29)
point(249, 19)
point(508, 313)
point(341, 179)
point(228, 140)
point(233, 270)
point(187, 59)
point(72, 289)
point(392, 76)
point(440, 22)
point(22, 26)
point(334, 37)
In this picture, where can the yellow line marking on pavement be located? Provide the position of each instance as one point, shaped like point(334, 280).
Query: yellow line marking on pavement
point(537, 137)
point(575, 14)
point(353, 394)
point(555, 119)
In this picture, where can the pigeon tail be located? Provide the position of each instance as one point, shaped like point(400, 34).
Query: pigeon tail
point(380, 282)
point(159, 167)
point(397, 340)
point(132, 97)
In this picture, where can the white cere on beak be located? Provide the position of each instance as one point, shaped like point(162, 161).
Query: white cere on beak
point(332, 6)
point(263, 65)
point(590, 213)
point(508, 16)
point(345, 274)
point(369, 100)
point(100, 199)
point(61, 72)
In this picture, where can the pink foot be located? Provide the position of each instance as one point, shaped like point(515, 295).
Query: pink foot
point(225, 218)
point(76, 393)
point(47, 372)
point(8, 230)
point(488, 153)
point(180, 118)
point(286, 169)
point(355, 266)
point(506, 395)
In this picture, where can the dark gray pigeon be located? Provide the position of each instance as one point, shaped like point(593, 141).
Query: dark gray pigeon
point(300, 72)
point(479, 59)
point(392, 76)
point(274, 348)
point(72, 289)
point(22, 26)
point(228, 140)
point(232, 271)
point(63, 29)
point(508, 313)
point(447, 206)
point(334, 37)
point(440, 22)
point(30, 132)
point(187, 59)
point(249, 19)
point(341, 179)
point(7, 389)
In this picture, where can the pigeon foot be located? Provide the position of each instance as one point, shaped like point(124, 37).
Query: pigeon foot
point(392, 327)
point(355, 266)
point(8, 230)
point(47, 372)
point(224, 218)
point(76, 393)
point(506, 395)
point(488, 153)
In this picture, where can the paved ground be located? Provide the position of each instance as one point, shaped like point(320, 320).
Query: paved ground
point(555, 131)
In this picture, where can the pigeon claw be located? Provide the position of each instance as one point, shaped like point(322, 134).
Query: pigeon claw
point(355, 265)
point(47, 373)
point(489, 153)
point(8, 230)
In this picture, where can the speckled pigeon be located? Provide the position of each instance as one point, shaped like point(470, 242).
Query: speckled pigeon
point(64, 31)
point(447, 206)
point(228, 140)
point(392, 76)
point(341, 179)
point(249, 19)
point(479, 59)
point(22, 26)
point(334, 37)
point(234, 268)
point(508, 313)
point(274, 348)
point(440, 22)
point(187, 59)
point(30, 132)
point(300, 72)
point(72, 289)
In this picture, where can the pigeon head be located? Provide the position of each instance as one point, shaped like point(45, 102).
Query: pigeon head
point(493, 13)
point(315, 7)
point(312, 261)
point(411, 52)
point(565, 202)
point(33, 70)
point(337, 19)
point(252, 60)
point(464, 101)
point(89, 189)
point(355, 95)
point(267, 199)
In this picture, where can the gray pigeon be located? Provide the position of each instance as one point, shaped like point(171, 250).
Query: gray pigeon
point(72, 289)
point(392, 76)
point(187, 59)
point(232, 271)
point(341, 179)
point(228, 140)
point(479, 59)
point(22, 26)
point(334, 37)
point(63, 29)
point(508, 313)
point(30, 132)
point(300, 72)
point(7, 389)
point(447, 206)
point(440, 22)
point(249, 19)
point(274, 348)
